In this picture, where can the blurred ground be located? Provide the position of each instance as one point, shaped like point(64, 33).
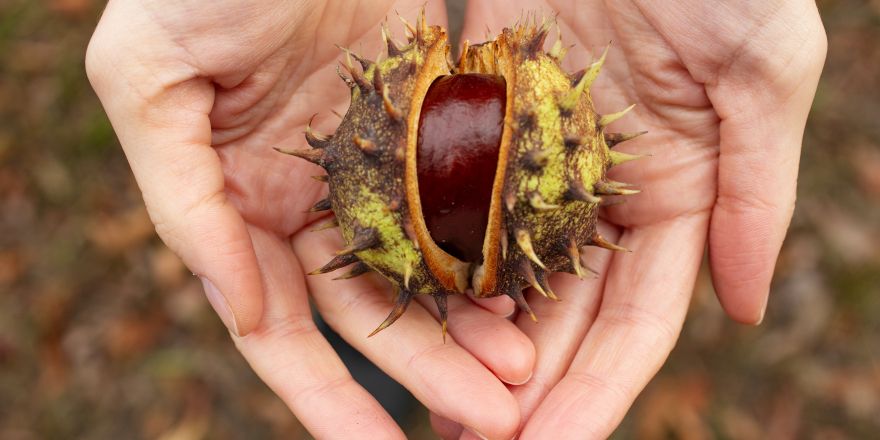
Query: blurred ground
point(104, 334)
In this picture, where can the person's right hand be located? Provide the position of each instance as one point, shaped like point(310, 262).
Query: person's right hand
point(199, 92)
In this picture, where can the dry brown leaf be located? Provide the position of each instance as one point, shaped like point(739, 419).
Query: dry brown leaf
point(676, 406)
point(118, 233)
point(134, 333)
point(167, 268)
point(866, 162)
point(196, 420)
point(72, 7)
point(12, 266)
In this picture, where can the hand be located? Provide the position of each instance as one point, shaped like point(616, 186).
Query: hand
point(723, 91)
point(199, 92)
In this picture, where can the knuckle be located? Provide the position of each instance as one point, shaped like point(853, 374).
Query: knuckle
point(427, 354)
point(93, 64)
point(741, 202)
point(178, 223)
point(298, 327)
point(353, 302)
point(598, 385)
point(100, 55)
point(632, 316)
point(756, 204)
point(820, 45)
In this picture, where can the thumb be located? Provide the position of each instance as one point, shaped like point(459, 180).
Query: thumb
point(763, 99)
point(159, 109)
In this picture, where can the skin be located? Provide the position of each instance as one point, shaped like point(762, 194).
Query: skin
point(198, 94)
point(724, 91)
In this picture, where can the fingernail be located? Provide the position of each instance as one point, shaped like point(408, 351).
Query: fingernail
point(761, 316)
point(519, 383)
point(477, 433)
point(763, 311)
point(220, 305)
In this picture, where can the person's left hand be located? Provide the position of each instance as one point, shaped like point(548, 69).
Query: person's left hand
point(723, 91)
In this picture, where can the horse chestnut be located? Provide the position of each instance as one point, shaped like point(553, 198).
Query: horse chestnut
point(485, 175)
point(459, 135)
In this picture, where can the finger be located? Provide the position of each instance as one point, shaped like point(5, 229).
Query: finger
point(445, 428)
point(162, 123)
point(762, 126)
point(492, 339)
point(499, 305)
point(558, 333)
point(562, 326)
point(412, 351)
point(292, 357)
point(645, 299)
point(470, 435)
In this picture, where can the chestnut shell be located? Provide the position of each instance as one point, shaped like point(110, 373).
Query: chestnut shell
point(546, 186)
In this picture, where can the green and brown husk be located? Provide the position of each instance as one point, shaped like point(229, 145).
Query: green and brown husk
point(548, 184)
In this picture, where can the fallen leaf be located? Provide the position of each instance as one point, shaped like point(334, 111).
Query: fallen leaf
point(866, 162)
point(118, 233)
point(167, 268)
point(12, 266)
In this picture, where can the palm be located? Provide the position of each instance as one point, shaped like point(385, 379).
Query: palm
point(268, 101)
point(272, 107)
point(659, 227)
point(611, 334)
point(199, 91)
point(672, 106)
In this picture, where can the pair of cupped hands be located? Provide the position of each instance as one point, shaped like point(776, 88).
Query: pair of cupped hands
point(200, 91)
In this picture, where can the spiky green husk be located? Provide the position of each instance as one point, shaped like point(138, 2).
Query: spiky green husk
point(549, 181)
point(553, 175)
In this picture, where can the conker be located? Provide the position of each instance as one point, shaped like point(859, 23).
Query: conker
point(459, 136)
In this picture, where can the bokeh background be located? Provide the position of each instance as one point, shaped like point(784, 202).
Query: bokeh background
point(104, 334)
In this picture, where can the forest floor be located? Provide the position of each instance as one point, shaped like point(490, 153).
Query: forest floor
point(104, 334)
